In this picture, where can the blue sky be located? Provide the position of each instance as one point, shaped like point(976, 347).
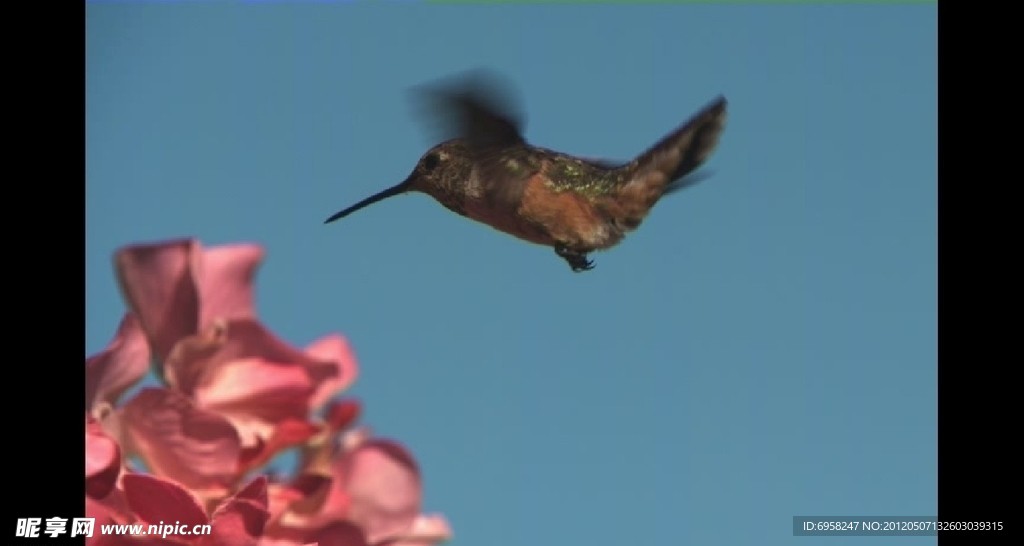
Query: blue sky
point(763, 346)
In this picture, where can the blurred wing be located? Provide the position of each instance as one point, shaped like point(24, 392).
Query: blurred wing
point(482, 108)
point(477, 106)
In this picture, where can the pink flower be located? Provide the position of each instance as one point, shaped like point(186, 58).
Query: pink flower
point(234, 396)
point(149, 500)
point(374, 487)
point(197, 309)
point(102, 460)
point(119, 366)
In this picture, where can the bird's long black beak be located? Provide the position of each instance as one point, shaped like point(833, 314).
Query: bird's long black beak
point(405, 186)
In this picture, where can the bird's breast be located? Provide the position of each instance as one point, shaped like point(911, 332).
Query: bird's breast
point(505, 217)
point(540, 213)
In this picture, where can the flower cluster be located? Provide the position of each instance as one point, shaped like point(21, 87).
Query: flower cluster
point(232, 396)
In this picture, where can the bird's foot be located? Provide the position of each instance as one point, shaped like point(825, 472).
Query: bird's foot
point(577, 260)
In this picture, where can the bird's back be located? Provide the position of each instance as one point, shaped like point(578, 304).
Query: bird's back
point(591, 205)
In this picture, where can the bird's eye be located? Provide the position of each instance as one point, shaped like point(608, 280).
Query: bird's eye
point(430, 162)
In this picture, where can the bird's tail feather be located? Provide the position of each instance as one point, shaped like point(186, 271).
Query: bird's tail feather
point(667, 166)
point(662, 167)
point(686, 181)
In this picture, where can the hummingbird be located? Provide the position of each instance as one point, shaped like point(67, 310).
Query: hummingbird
point(485, 170)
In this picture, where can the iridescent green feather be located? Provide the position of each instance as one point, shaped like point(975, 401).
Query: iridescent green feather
point(567, 173)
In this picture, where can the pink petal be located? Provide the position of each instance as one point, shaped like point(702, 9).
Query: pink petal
point(383, 482)
point(355, 437)
point(305, 493)
point(426, 530)
point(279, 498)
point(334, 350)
point(321, 501)
point(313, 489)
point(111, 509)
point(248, 338)
point(102, 461)
point(340, 533)
point(279, 541)
point(119, 366)
point(286, 434)
point(156, 500)
point(157, 281)
point(195, 447)
point(225, 280)
point(250, 376)
point(239, 521)
point(255, 491)
point(288, 502)
point(343, 413)
point(191, 357)
point(257, 388)
point(243, 339)
point(114, 510)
